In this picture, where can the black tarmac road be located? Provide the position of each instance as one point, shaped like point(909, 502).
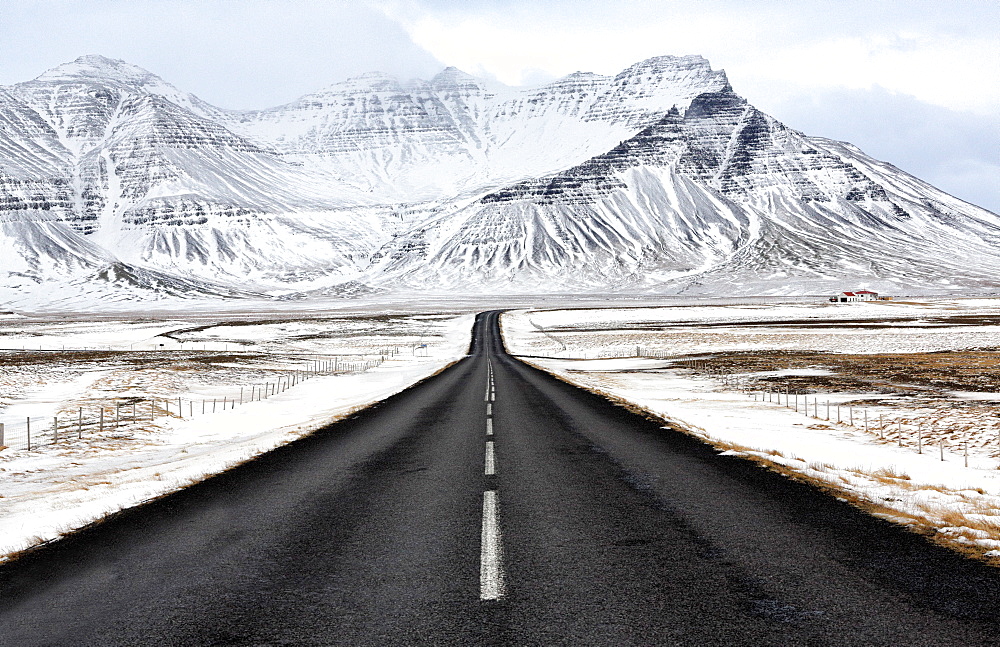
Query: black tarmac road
point(495, 505)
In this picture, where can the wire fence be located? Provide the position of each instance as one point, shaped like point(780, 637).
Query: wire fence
point(110, 418)
point(637, 352)
point(627, 352)
point(921, 434)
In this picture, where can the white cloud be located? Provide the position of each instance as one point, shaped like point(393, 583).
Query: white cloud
point(938, 69)
point(234, 53)
point(514, 44)
point(811, 45)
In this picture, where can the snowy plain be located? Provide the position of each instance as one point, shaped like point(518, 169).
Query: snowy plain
point(907, 449)
point(217, 367)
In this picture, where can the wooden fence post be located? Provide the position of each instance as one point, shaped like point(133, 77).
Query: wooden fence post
point(55, 430)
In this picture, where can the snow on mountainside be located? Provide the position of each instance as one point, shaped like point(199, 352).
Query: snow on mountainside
point(115, 184)
point(721, 199)
point(454, 134)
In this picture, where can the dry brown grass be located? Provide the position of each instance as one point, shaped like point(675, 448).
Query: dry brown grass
point(890, 373)
point(889, 475)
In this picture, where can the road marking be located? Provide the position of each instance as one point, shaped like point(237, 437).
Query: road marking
point(490, 459)
point(489, 409)
point(489, 426)
point(490, 571)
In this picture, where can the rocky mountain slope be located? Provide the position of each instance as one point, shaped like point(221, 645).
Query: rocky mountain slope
point(721, 199)
point(116, 185)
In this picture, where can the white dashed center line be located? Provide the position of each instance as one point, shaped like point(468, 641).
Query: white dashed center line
point(490, 571)
point(490, 459)
point(491, 585)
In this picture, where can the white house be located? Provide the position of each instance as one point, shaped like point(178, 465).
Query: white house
point(857, 295)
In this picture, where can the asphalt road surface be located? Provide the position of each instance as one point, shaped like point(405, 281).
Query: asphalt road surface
point(495, 505)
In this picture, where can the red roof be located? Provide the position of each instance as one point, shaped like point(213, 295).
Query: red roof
point(849, 294)
point(865, 292)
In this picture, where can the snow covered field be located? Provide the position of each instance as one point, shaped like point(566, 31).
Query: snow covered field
point(917, 384)
point(183, 399)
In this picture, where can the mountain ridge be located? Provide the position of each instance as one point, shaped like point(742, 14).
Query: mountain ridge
point(659, 179)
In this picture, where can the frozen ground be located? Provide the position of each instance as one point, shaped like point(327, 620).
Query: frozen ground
point(765, 382)
point(183, 399)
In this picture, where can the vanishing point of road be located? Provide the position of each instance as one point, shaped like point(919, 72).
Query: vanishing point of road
point(495, 505)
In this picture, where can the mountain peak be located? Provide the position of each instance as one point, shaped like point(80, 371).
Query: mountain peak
point(452, 72)
point(452, 77)
point(692, 69)
point(99, 60)
point(102, 68)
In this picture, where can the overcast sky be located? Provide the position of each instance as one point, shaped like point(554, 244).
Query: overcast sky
point(913, 82)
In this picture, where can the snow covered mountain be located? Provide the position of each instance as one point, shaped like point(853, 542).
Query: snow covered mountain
point(721, 199)
point(116, 185)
